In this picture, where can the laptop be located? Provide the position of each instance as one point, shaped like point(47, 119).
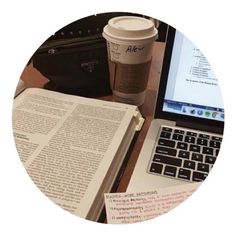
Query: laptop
point(184, 138)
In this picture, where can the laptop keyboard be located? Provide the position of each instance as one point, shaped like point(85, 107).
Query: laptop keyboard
point(185, 155)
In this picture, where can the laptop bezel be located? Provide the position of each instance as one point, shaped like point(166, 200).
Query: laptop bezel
point(184, 120)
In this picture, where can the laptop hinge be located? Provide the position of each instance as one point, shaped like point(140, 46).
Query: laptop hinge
point(215, 129)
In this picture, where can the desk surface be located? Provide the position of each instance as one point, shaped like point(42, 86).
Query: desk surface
point(34, 78)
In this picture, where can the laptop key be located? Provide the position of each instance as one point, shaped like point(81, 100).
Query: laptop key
point(191, 134)
point(167, 160)
point(207, 150)
point(184, 154)
point(167, 129)
point(156, 168)
point(189, 139)
point(189, 164)
point(166, 151)
point(165, 134)
point(194, 148)
point(214, 144)
point(204, 136)
point(179, 131)
point(215, 138)
point(170, 171)
point(210, 159)
point(199, 176)
point(178, 137)
point(202, 141)
point(166, 142)
point(183, 146)
point(184, 174)
point(197, 157)
point(203, 167)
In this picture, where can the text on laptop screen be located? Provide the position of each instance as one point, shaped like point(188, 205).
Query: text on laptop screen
point(192, 88)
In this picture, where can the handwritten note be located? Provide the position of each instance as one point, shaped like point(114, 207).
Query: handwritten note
point(123, 208)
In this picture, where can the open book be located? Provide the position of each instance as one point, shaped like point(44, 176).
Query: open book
point(73, 147)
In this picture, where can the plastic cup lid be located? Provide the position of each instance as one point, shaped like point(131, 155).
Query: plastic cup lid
point(130, 28)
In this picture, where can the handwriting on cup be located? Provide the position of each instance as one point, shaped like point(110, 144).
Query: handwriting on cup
point(134, 48)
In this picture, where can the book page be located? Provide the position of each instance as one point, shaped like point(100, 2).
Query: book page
point(124, 208)
point(67, 143)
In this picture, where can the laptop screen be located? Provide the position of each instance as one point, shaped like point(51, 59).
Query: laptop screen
point(188, 86)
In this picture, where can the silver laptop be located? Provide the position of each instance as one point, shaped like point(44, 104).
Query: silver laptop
point(184, 138)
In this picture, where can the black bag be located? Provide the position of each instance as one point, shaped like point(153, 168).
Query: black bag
point(75, 66)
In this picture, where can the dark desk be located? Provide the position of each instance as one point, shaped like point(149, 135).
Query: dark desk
point(34, 78)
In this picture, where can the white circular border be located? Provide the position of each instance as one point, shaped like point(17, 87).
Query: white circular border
point(24, 26)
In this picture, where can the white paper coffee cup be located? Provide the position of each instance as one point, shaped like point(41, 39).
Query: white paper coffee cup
point(129, 45)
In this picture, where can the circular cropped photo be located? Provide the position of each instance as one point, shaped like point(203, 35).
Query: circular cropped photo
point(118, 118)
